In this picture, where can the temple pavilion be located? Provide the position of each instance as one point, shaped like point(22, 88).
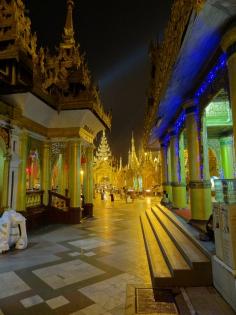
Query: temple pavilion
point(141, 173)
point(50, 113)
point(191, 119)
point(104, 169)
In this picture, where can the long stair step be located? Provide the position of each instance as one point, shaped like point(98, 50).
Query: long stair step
point(172, 217)
point(188, 249)
point(174, 258)
point(158, 265)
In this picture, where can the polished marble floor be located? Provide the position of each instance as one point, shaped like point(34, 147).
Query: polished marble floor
point(79, 270)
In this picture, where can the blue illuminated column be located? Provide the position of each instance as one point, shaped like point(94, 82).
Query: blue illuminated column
point(199, 183)
point(164, 170)
point(204, 149)
point(229, 46)
point(169, 172)
point(177, 181)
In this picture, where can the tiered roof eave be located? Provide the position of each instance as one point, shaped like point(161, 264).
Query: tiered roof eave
point(62, 80)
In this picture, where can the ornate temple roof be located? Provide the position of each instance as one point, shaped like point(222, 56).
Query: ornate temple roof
point(60, 79)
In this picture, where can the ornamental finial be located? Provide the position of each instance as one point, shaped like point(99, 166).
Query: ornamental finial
point(68, 36)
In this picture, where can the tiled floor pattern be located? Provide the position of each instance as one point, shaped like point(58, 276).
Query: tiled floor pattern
point(78, 270)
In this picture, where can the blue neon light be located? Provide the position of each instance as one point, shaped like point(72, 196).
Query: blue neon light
point(180, 122)
point(212, 75)
point(166, 140)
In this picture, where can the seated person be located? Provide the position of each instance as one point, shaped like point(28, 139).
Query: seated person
point(209, 234)
point(165, 199)
point(209, 228)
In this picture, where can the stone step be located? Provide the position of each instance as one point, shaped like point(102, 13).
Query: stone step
point(174, 259)
point(192, 254)
point(159, 269)
point(172, 253)
point(173, 218)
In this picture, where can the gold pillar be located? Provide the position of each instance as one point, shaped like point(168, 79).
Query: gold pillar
point(46, 185)
point(88, 182)
point(6, 169)
point(229, 46)
point(178, 185)
point(204, 144)
point(164, 167)
point(21, 187)
point(74, 173)
point(62, 173)
point(181, 159)
point(169, 174)
point(88, 178)
point(199, 184)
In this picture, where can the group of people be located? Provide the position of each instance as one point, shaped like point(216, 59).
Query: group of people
point(111, 195)
point(122, 193)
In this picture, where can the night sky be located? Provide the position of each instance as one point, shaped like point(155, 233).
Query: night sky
point(115, 36)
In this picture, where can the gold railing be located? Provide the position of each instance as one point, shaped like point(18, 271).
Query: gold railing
point(58, 201)
point(34, 198)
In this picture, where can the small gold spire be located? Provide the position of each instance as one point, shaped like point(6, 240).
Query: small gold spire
point(68, 36)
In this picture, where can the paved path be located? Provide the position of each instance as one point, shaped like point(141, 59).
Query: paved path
point(84, 269)
point(80, 269)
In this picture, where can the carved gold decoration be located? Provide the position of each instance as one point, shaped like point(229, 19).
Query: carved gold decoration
point(84, 134)
point(17, 27)
point(199, 5)
point(65, 75)
point(163, 57)
point(61, 79)
point(5, 136)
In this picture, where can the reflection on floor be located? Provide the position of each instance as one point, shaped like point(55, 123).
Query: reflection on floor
point(80, 269)
point(85, 269)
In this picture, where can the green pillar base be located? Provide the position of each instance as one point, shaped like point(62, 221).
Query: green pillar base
point(200, 200)
point(168, 188)
point(179, 196)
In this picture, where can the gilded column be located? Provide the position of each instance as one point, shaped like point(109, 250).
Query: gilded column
point(21, 189)
point(6, 170)
point(229, 46)
point(62, 173)
point(181, 159)
point(164, 168)
point(204, 146)
point(89, 181)
point(199, 184)
point(227, 156)
point(169, 174)
point(46, 185)
point(177, 182)
point(74, 179)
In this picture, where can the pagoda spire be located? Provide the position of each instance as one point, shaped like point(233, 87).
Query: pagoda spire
point(120, 164)
point(103, 153)
point(132, 144)
point(132, 155)
point(68, 35)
